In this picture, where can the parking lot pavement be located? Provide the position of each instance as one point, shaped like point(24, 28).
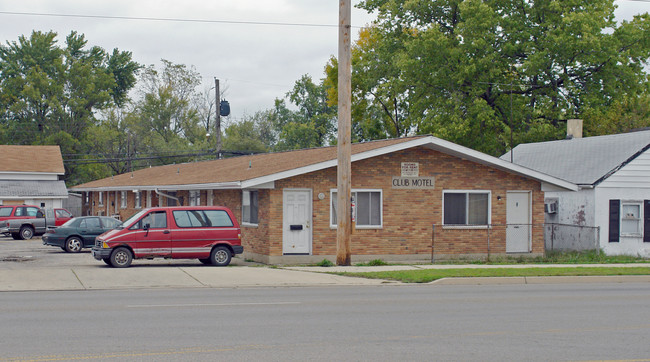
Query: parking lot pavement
point(28, 265)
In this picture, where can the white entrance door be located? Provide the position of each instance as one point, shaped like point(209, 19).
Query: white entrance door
point(296, 223)
point(518, 219)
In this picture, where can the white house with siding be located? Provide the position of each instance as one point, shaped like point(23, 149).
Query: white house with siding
point(31, 175)
point(613, 173)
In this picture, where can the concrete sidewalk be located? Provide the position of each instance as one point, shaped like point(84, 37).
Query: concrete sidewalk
point(98, 277)
point(102, 277)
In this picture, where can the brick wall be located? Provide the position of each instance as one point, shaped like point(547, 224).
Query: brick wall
point(408, 215)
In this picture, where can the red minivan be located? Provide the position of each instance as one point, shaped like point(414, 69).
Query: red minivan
point(208, 233)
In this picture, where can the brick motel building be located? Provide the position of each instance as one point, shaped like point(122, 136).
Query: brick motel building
point(417, 199)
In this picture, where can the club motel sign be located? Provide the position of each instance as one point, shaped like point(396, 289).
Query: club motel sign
point(410, 178)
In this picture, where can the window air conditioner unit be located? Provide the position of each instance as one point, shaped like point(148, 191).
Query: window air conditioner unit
point(550, 207)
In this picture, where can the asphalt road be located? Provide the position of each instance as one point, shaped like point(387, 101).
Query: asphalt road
point(576, 322)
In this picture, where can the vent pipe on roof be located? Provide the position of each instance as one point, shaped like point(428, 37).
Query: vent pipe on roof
point(573, 128)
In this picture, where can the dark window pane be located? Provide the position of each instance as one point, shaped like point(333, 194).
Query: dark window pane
point(375, 208)
point(254, 207)
point(363, 208)
point(455, 208)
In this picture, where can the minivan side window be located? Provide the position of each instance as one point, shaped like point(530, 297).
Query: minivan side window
point(155, 219)
point(219, 218)
point(190, 218)
point(5, 211)
point(201, 218)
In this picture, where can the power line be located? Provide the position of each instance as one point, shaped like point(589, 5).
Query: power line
point(181, 20)
point(146, 156)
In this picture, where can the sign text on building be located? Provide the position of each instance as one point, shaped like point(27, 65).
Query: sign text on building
point(410, 169)
point(413, 182)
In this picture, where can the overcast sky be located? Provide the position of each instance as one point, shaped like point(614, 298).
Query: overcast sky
point(256, 63)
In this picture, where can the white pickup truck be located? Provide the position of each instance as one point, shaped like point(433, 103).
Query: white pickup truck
point(26, 228)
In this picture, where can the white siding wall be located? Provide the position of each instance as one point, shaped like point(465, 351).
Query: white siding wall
point(632, 184)
point(635, 174)
point(627, 244)
point(49, 203)
point(574, 207)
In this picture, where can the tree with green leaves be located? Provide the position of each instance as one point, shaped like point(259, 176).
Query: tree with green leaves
point(45, 89)
point(165, 120)
point(312, 124)
point(253, 134)
point(49, 94)
point(480, 73)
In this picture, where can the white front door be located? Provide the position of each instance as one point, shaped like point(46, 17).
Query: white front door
point(296, 223)
point(518, 229)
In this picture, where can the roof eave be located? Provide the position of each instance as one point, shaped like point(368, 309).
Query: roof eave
point(212, 186)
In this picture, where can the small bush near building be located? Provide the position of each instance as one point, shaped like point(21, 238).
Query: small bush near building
point(325, 263)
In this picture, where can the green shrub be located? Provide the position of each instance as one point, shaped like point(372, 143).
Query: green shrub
point(376, 262)
point(325, 263)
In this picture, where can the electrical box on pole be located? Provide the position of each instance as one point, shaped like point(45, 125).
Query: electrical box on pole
point(224, 108)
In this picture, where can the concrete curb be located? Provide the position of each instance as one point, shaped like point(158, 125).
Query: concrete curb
point(100, 277)
point(543, 280)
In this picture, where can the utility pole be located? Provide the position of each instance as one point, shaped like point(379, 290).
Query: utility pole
point(344, 212)
point(218, 119)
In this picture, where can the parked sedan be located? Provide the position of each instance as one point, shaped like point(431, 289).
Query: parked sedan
point(79, 233)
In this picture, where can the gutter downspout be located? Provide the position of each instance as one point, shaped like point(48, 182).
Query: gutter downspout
point(168, 196)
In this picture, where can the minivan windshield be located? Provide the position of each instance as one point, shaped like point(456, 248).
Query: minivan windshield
point(133, 218)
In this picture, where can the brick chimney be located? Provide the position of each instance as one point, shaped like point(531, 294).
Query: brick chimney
point(574, 128)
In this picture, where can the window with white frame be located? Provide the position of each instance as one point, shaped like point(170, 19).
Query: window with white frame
point(630, 218)
point(123, 199)
point(249, 207)
point(138, 199)
point(195, 197)
point(466, 207)
point(368, 206)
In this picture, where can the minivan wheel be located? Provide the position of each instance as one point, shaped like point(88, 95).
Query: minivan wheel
point(121, 258)
point(26, 232)
point(220, 256)
point(73, 245)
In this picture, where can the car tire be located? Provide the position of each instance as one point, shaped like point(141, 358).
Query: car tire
point(121, 258)
point(220, 256)
point(26, 232)
point(74, 244)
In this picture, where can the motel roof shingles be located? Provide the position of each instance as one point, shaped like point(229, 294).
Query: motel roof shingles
point(45, 159)
point(231, 170)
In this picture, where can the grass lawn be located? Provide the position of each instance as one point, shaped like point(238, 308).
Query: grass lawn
point(428, 275)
